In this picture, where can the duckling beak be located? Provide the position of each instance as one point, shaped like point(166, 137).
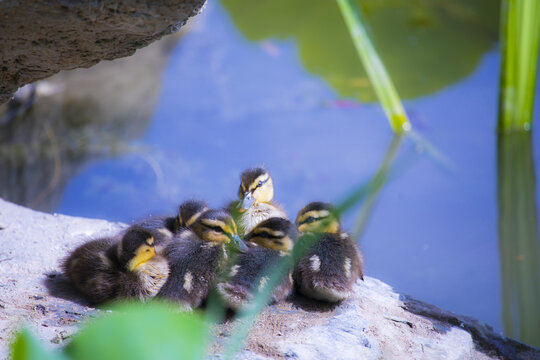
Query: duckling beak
point(238, 244)
point(247, 201)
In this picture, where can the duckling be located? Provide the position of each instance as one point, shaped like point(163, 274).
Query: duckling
point(165, 227)
point(255, 200)
point(109, 269)
point(330, 266)
point(274, 238)
point(197, 254)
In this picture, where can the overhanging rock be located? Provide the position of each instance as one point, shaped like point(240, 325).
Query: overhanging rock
point(40, 38)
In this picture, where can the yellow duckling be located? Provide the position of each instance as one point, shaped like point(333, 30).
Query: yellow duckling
point(274, 238)
point(197, 254)
point(110, 269)
point(330, 267)
point(255, 200)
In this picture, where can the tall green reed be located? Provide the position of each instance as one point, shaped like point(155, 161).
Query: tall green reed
point(382, 84)
point(520, 36)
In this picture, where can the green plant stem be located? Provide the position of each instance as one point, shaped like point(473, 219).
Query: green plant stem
point(520, 36)
point(384, 88)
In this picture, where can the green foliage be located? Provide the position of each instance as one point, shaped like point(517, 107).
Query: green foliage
point(384, 88)
point(141, 331)
point(520, 36)
point(425, 44)
point(27, 347)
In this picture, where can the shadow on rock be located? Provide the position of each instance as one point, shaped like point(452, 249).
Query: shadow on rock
point(485, 339)
point(58, 286)
point(302, 302)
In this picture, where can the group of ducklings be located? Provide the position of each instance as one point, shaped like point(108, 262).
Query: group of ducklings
point(182, 258)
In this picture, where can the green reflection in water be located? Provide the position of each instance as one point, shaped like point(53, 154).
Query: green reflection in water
point(424, 44)
point(518, 237)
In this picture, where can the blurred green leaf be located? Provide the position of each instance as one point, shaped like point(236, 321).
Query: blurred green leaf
point(424, 44)
point(137, 331)
point(27, 347)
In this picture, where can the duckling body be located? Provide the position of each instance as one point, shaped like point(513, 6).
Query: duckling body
point(165, 227)
point(271, 240)
point(109, 269)
point(333, 263)
point(255, 204)
point(196, 256)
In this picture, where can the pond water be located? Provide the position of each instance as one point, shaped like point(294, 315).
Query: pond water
point(243, 88)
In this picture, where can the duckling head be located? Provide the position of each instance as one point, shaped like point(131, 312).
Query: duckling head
point(135, 248)
point(274, 233)
point(218, 226)
point(190, 210)
point(318, 217)
point(256, 186)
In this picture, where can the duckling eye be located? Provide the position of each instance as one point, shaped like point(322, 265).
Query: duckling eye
point(310, 219)
point(259, 184)
point(215, 228)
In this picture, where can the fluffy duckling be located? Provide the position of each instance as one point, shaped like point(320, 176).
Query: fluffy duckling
point(330, 267)
point(109, 269)
point(165, 227)
point(197, 254)
point(255, 200)
point(274, 238)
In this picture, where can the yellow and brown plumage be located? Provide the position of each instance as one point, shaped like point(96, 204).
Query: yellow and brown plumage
point(255, 204)
point(109, 268)
point(164, 227)
point(273, 239)
point(332, 264)
point(197, 254)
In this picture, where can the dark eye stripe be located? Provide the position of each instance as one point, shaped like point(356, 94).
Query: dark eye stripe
point(266, 235)
point(215, 228)
point(311, 219)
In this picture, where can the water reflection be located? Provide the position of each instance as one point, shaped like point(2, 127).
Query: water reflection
point(73, 117)
point(518, 237)
point(425, 45)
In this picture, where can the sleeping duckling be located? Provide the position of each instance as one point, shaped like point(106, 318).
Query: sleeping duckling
point(330, 267)
point(109, 269)
point(255, 200)
point(196, 255)
point(165, 227)
point(275, 238)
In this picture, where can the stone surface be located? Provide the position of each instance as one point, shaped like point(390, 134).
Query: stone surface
point(376, 323)
point(40, 38)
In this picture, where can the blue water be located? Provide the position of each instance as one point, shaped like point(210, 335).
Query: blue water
point(227, 104)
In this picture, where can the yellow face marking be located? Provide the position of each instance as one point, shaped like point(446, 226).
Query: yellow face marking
point(262, 178)
point(317, 221)
point(194, 218)
point(282, 244)
point(142, 255)
point(262, 230)
point(264, 193)
point(316, 214)
point(150, 240)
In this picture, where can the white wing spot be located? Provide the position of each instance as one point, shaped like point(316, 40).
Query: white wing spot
point(165, 232)
point(315, 263)
point(234, 270)
point(347, 267)
point(263, 282)
point(188, 282)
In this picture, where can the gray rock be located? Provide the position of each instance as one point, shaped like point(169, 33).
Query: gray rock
point(40, 38)
point(375, 323)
